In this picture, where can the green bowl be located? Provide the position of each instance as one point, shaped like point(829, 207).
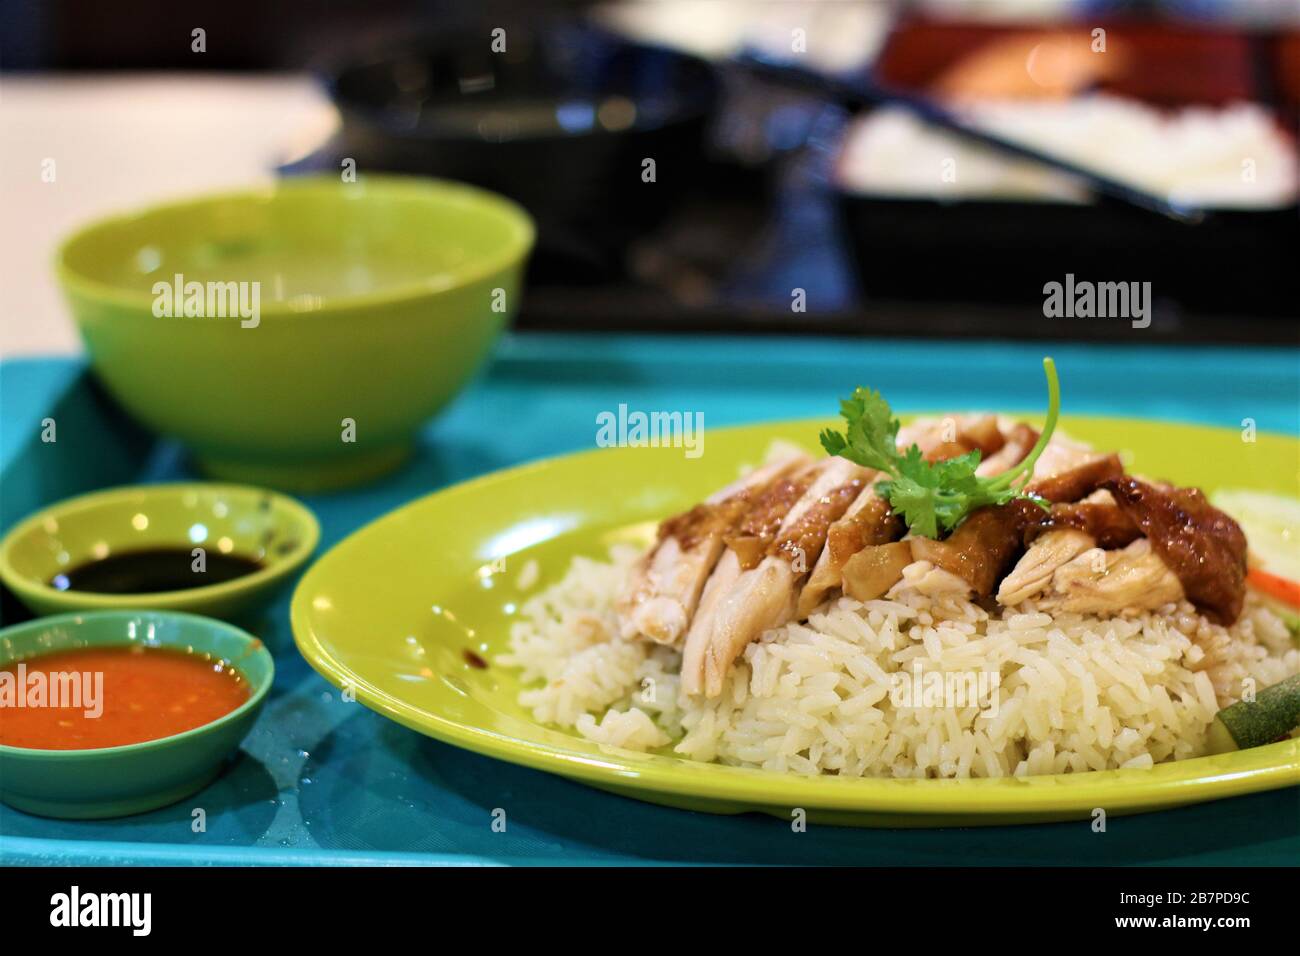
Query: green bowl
point(229, 519)
point(376, 301)
point(116, 781)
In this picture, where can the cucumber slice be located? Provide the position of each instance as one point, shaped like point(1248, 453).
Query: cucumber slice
point(1274, 713)
point(1272, 526)
point(1290, 616)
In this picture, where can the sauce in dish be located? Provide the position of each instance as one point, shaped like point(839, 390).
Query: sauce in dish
point(152, 571)
point(90, 698)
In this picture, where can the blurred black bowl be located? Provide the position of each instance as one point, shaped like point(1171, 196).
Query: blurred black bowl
point(563, 121)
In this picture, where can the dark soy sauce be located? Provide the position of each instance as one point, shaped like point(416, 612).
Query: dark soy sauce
point(153, 570)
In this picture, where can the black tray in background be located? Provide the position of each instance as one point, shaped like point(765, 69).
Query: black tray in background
point(731, 252)
point(1233, 262)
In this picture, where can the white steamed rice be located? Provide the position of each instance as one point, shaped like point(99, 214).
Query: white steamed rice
point(1073, 692)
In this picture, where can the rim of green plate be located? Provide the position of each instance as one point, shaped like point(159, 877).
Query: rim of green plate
point(1044, 794)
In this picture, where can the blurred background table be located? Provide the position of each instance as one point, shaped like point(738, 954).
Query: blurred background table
point(121, 141)
point(131, 116)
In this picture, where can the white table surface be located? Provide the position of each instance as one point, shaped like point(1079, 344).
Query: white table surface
point(120, 141)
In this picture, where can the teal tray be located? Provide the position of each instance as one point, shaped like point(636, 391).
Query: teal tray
point(324, 781)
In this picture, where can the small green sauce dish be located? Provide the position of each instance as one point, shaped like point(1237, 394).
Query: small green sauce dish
point(203, 524)
point(118, 781)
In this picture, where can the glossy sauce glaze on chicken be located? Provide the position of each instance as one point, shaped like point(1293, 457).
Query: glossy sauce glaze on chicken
point(1083, 537)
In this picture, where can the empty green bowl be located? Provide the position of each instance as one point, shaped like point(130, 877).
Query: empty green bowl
point(336, 317)
point(116, 781)
point(271, 528)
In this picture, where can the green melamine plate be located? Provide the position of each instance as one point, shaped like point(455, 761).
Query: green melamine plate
point(391, 612)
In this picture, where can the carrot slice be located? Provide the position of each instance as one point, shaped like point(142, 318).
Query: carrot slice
point(1284, 589)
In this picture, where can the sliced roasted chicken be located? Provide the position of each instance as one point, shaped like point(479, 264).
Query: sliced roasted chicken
point(1104, 582)
point(757, 580)
point(754, 534)
point(1067, 532)
point(716, 590)
point(1075, 482)
point(869, 522)
point(781, 541)
point(663, 589)
point(1032, 574)
point(957, 435)
point(1019, 443)
point(1062, 454)
point(875, 569)
point(1203, 546)
point(863, 556)
point(984, 546)
point(1097, 516)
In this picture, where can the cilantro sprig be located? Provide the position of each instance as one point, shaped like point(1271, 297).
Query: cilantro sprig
point(931, 497)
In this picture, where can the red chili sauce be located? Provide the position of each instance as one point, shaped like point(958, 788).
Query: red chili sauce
point(106, 697)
